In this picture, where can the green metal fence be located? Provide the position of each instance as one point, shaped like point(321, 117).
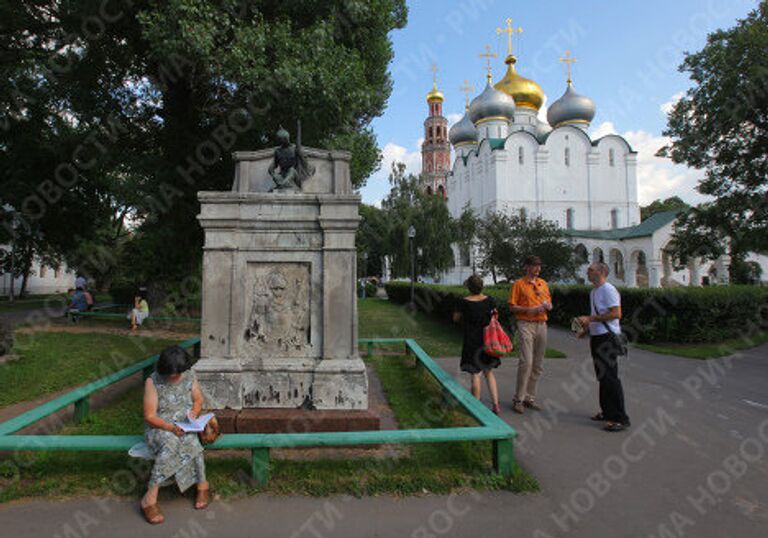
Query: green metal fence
point(491, 427)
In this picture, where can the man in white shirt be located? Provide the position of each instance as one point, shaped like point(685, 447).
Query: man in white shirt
point(605, 303)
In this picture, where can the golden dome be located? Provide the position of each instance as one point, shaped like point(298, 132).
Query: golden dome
point(435, 95)
point(525, 92)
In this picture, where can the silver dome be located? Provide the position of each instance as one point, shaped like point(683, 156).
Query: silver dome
point(463, 131)
point(571, 108)
point(490, 104)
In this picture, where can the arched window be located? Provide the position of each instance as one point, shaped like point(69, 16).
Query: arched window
point(43, 270)
point(520, 155)
point(429, 137)
point(441, 191)
point(581, 254)
point(567, 157)
point(614, 218)
point(611, 157)
point(569, 214)
point(429, 190)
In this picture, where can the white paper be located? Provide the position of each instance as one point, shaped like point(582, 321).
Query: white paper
point(195, 425)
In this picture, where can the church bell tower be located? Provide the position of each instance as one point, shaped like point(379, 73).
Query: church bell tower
point(436, 150)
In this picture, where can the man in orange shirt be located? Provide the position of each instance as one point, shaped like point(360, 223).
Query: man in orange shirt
point(529, 301)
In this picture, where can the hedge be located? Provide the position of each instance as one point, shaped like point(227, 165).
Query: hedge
point(675, 315)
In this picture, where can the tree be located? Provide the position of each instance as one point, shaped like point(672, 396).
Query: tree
point(505, 240)
point(371, 241)
point(673, 203)
point(466, 232)
point(408, 205)
point(721, 126)
point(161, 93)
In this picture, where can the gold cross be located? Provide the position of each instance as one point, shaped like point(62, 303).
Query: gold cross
point(568, 60)
point(467, 89)
point(509, 31)
point(434, 75)
point(488, 55)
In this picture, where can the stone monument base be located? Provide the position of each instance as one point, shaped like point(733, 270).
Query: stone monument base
point(268, 420)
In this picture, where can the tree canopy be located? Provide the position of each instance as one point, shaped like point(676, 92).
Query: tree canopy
point(116, 112)
point(504, 241)
point(408, 205)
point(673, 203)
point(721, 127)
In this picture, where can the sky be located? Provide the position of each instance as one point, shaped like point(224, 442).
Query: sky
point(627, 57)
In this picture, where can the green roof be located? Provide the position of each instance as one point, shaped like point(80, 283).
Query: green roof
point(497, 143)
point(644, 229)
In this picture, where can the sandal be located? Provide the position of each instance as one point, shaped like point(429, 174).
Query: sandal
point(202, 499)
point(496, 409)
point(615, 427)
point(152, 514)
point(598, 417)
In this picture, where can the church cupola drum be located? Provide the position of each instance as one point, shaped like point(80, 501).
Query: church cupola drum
point(436, 150)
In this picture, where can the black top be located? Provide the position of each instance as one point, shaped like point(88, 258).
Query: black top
point(475, 316)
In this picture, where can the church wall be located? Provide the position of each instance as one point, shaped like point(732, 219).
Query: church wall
point(562, 185)
point(516, 180)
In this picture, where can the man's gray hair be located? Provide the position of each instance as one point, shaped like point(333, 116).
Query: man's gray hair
point(602, 268)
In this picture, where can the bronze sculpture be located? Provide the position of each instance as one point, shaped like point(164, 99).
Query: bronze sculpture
point(290, 168)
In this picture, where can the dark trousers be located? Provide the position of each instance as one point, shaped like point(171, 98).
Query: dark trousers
point(604, 358)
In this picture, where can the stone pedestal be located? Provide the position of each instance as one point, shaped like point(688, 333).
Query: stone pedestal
point(279, 314)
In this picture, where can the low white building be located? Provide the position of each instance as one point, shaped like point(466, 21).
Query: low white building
point(42, 280)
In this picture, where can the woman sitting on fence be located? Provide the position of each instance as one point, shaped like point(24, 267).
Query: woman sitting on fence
point(474, 311)
point(140, 310)
point(170, 393)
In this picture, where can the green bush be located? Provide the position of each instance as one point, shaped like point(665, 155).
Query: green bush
point(682, 315)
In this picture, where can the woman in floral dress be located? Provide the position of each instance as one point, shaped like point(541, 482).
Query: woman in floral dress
point(170, 393)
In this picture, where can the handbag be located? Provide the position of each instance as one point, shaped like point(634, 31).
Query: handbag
point(619, 340)
point(210, 433)
point(496, 343)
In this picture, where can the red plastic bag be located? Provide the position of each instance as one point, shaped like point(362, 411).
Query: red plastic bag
point(495, 341)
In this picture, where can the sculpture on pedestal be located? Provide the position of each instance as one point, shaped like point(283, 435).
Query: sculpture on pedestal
point(289, 168)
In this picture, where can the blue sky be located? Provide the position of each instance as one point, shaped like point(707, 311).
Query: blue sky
point(627, 57)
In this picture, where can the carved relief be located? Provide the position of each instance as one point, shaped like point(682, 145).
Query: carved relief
point(279, 319)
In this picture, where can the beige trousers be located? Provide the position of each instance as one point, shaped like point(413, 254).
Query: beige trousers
point(533, 342)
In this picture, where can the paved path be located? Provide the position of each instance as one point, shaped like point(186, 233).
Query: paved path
point(693, 465)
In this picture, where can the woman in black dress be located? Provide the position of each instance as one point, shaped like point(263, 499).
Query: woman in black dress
point(474, 311)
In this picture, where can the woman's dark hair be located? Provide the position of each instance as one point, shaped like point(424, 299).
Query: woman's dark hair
point(475, 284)
point(173, 360)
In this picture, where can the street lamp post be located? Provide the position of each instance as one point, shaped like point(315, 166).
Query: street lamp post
point(411, 237)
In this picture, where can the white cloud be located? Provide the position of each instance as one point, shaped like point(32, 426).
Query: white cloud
point(542, 115)
point(666, 108)
point(377, 186)
point(657, 177)
point(453, 118)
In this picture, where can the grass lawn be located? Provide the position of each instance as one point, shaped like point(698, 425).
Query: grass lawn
point(415, 399)
point(382, 319)
point(52, 361)
point(707, 350)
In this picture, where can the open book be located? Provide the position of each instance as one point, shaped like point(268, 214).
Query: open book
point(195, 424)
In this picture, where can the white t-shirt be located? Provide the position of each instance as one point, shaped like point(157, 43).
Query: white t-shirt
point(601, 300)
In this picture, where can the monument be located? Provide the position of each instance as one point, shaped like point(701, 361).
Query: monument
point(279, 310)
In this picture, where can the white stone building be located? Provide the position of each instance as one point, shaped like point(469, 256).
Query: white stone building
point(508, 160)
point(42, 280)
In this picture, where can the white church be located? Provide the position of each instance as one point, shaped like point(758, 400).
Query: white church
point(506, 159)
